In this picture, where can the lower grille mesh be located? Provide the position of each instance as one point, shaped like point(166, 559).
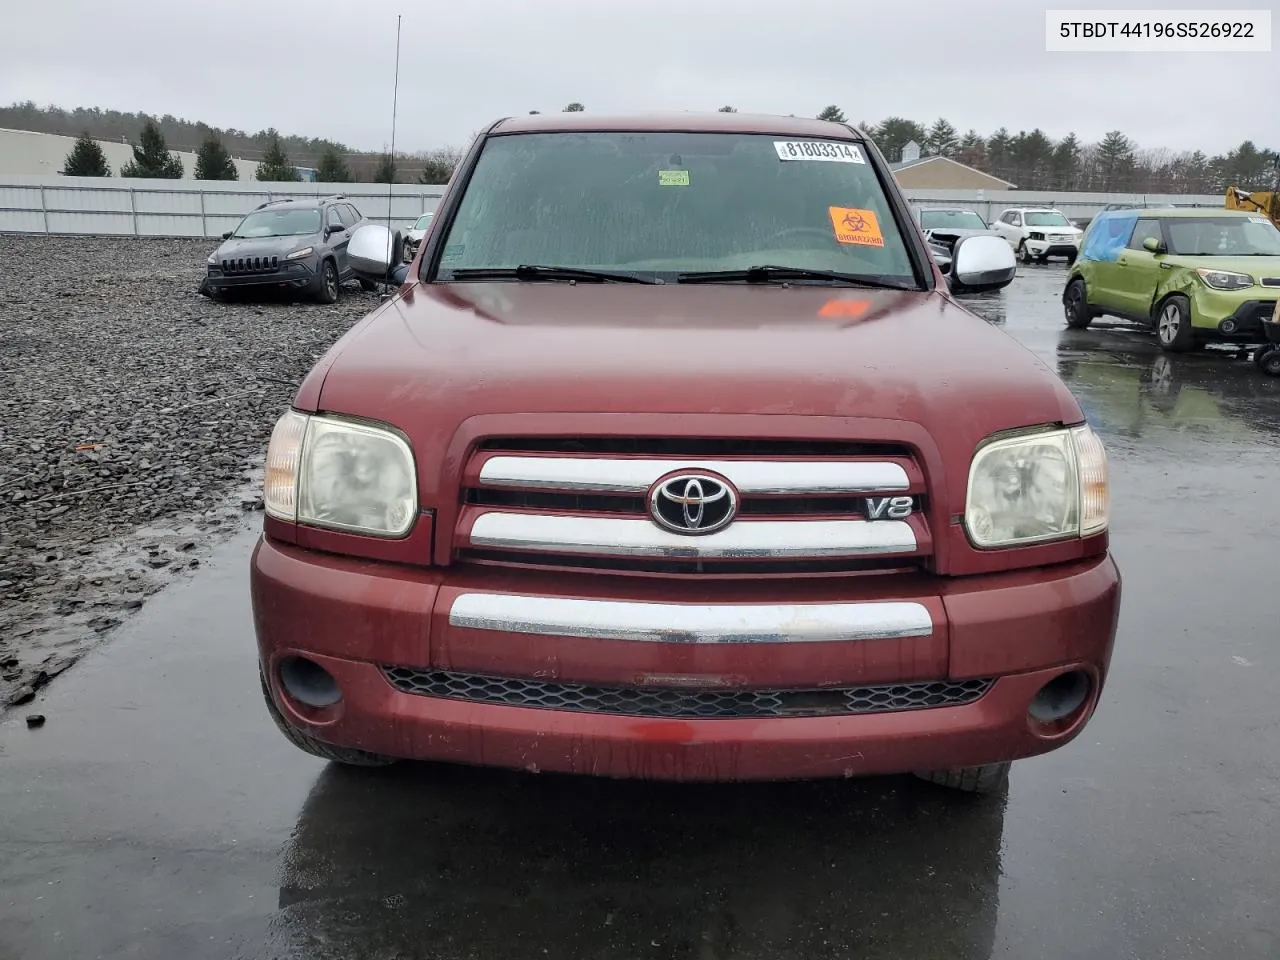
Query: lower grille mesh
point(675, 703)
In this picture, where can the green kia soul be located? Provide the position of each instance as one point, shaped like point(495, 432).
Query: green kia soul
point(1194, 276)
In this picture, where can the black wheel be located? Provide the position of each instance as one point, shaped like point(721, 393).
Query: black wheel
point(329, 283)
point(1270, 362)
point(988, 778)
point(1075, 305)
point(408, 250)
point(1071, 259)
point(307, 744)
point(1023, 253)
point(368, 286)
point(1173, 324)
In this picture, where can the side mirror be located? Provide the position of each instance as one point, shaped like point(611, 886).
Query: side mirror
point(374, 253)
point(981, 263)
point(1153, 245)
point(333, 228)
point(227, 235)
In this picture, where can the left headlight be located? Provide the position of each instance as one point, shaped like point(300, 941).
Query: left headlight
point(299, 254)
point(1224, 279)
point(1038, 487)
point(340, 474)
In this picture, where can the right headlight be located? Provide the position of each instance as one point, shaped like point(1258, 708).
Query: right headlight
point(340, 474)
point(1038, 487)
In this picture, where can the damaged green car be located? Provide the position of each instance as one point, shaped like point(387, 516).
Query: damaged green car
point(1193, 276)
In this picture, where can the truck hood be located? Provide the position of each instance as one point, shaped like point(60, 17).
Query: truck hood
point(435, 356)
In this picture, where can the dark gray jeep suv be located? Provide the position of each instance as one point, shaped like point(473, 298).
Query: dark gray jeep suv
point(295, 244)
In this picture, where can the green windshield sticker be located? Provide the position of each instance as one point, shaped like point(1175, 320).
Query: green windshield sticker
point(673, 178)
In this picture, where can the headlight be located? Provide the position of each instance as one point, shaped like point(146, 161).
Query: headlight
point(299, 254)
point(213, 259)
point(1037, 487)
point(1224, 279)
point(340, 474)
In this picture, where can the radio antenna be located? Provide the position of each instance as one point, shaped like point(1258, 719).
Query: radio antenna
point(395, 95)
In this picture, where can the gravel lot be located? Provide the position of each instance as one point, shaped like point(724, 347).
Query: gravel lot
point(133, 416)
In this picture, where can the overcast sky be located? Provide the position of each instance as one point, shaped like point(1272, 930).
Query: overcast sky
point(325, 68)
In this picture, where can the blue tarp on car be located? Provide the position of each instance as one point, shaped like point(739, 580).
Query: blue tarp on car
point(1108, 233)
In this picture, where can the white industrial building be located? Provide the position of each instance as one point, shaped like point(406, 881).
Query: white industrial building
point(24, 153)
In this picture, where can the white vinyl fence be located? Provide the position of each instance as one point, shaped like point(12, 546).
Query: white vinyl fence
point(94, 206)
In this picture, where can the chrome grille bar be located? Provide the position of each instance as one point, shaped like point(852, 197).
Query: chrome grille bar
point(755, 539)
point(751, 477)
point(690, 623)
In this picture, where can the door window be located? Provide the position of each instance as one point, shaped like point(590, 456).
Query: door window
point(333, 218)
point(1141, 231)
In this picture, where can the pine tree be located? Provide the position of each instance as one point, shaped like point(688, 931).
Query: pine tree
point(728, 110)
point(332, 168)
point(942, 140)
point(86, 159)
point(213, 162)
point(574, 107)
point(275, 166)
point(832, 113)
point(151, 157)
point(386, 172)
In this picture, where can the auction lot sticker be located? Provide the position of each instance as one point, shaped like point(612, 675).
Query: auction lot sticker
point(832, 151)
point(856, 226)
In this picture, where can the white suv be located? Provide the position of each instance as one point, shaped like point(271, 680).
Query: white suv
point(1038, 233)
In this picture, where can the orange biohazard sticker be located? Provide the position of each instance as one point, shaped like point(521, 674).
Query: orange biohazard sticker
point(856, 226)
point(844, 309)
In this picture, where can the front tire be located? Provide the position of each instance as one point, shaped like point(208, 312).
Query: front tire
point(1173, 325)
point(987, 779)
point(1075, 305)
point(317, 748)
point(329, 283)
point(1024, 254)
point(1269, 362)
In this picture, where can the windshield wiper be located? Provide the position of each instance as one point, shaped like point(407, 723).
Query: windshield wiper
point(771, 273)
point(528, 271)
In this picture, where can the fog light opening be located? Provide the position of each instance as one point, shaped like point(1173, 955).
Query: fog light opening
point(308, 682)
point(1229, 327)
point(1061, 698)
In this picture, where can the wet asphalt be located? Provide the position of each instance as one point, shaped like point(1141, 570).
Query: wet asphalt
point(158, 814)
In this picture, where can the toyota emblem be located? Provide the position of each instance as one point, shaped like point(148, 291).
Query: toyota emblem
point(693, 503)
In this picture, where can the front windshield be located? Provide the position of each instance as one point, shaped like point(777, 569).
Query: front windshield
point(1051, 219)
point(279, 223)
point(663, 204)
point(1224, 237)
point(423, 222)
point(953, 219)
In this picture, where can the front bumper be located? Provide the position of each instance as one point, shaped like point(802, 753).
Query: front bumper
point(371, 626)
point(1230, 317)
point(1050, 248)
point(297, 275)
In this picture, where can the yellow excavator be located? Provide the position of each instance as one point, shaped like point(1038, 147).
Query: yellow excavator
point(1265, 202)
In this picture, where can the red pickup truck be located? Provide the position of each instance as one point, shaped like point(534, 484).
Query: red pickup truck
point(788, 511)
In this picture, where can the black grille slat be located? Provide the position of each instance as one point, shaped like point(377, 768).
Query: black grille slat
point(685, 703)
point(644, 565)
point(852, 507)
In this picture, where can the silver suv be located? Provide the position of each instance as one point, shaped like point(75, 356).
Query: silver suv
point(291, 244)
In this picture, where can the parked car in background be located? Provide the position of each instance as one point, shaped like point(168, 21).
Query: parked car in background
point(1194, 276)
point(290, 244)
point(946, 225)
point(1038, 233)
point(662, 464)
point(413, 236)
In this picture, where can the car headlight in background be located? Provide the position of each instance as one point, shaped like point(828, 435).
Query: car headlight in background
point(299, 254)
point(340, 474)
point(213, 259)
point(1224, 279)
point(1037, 487)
